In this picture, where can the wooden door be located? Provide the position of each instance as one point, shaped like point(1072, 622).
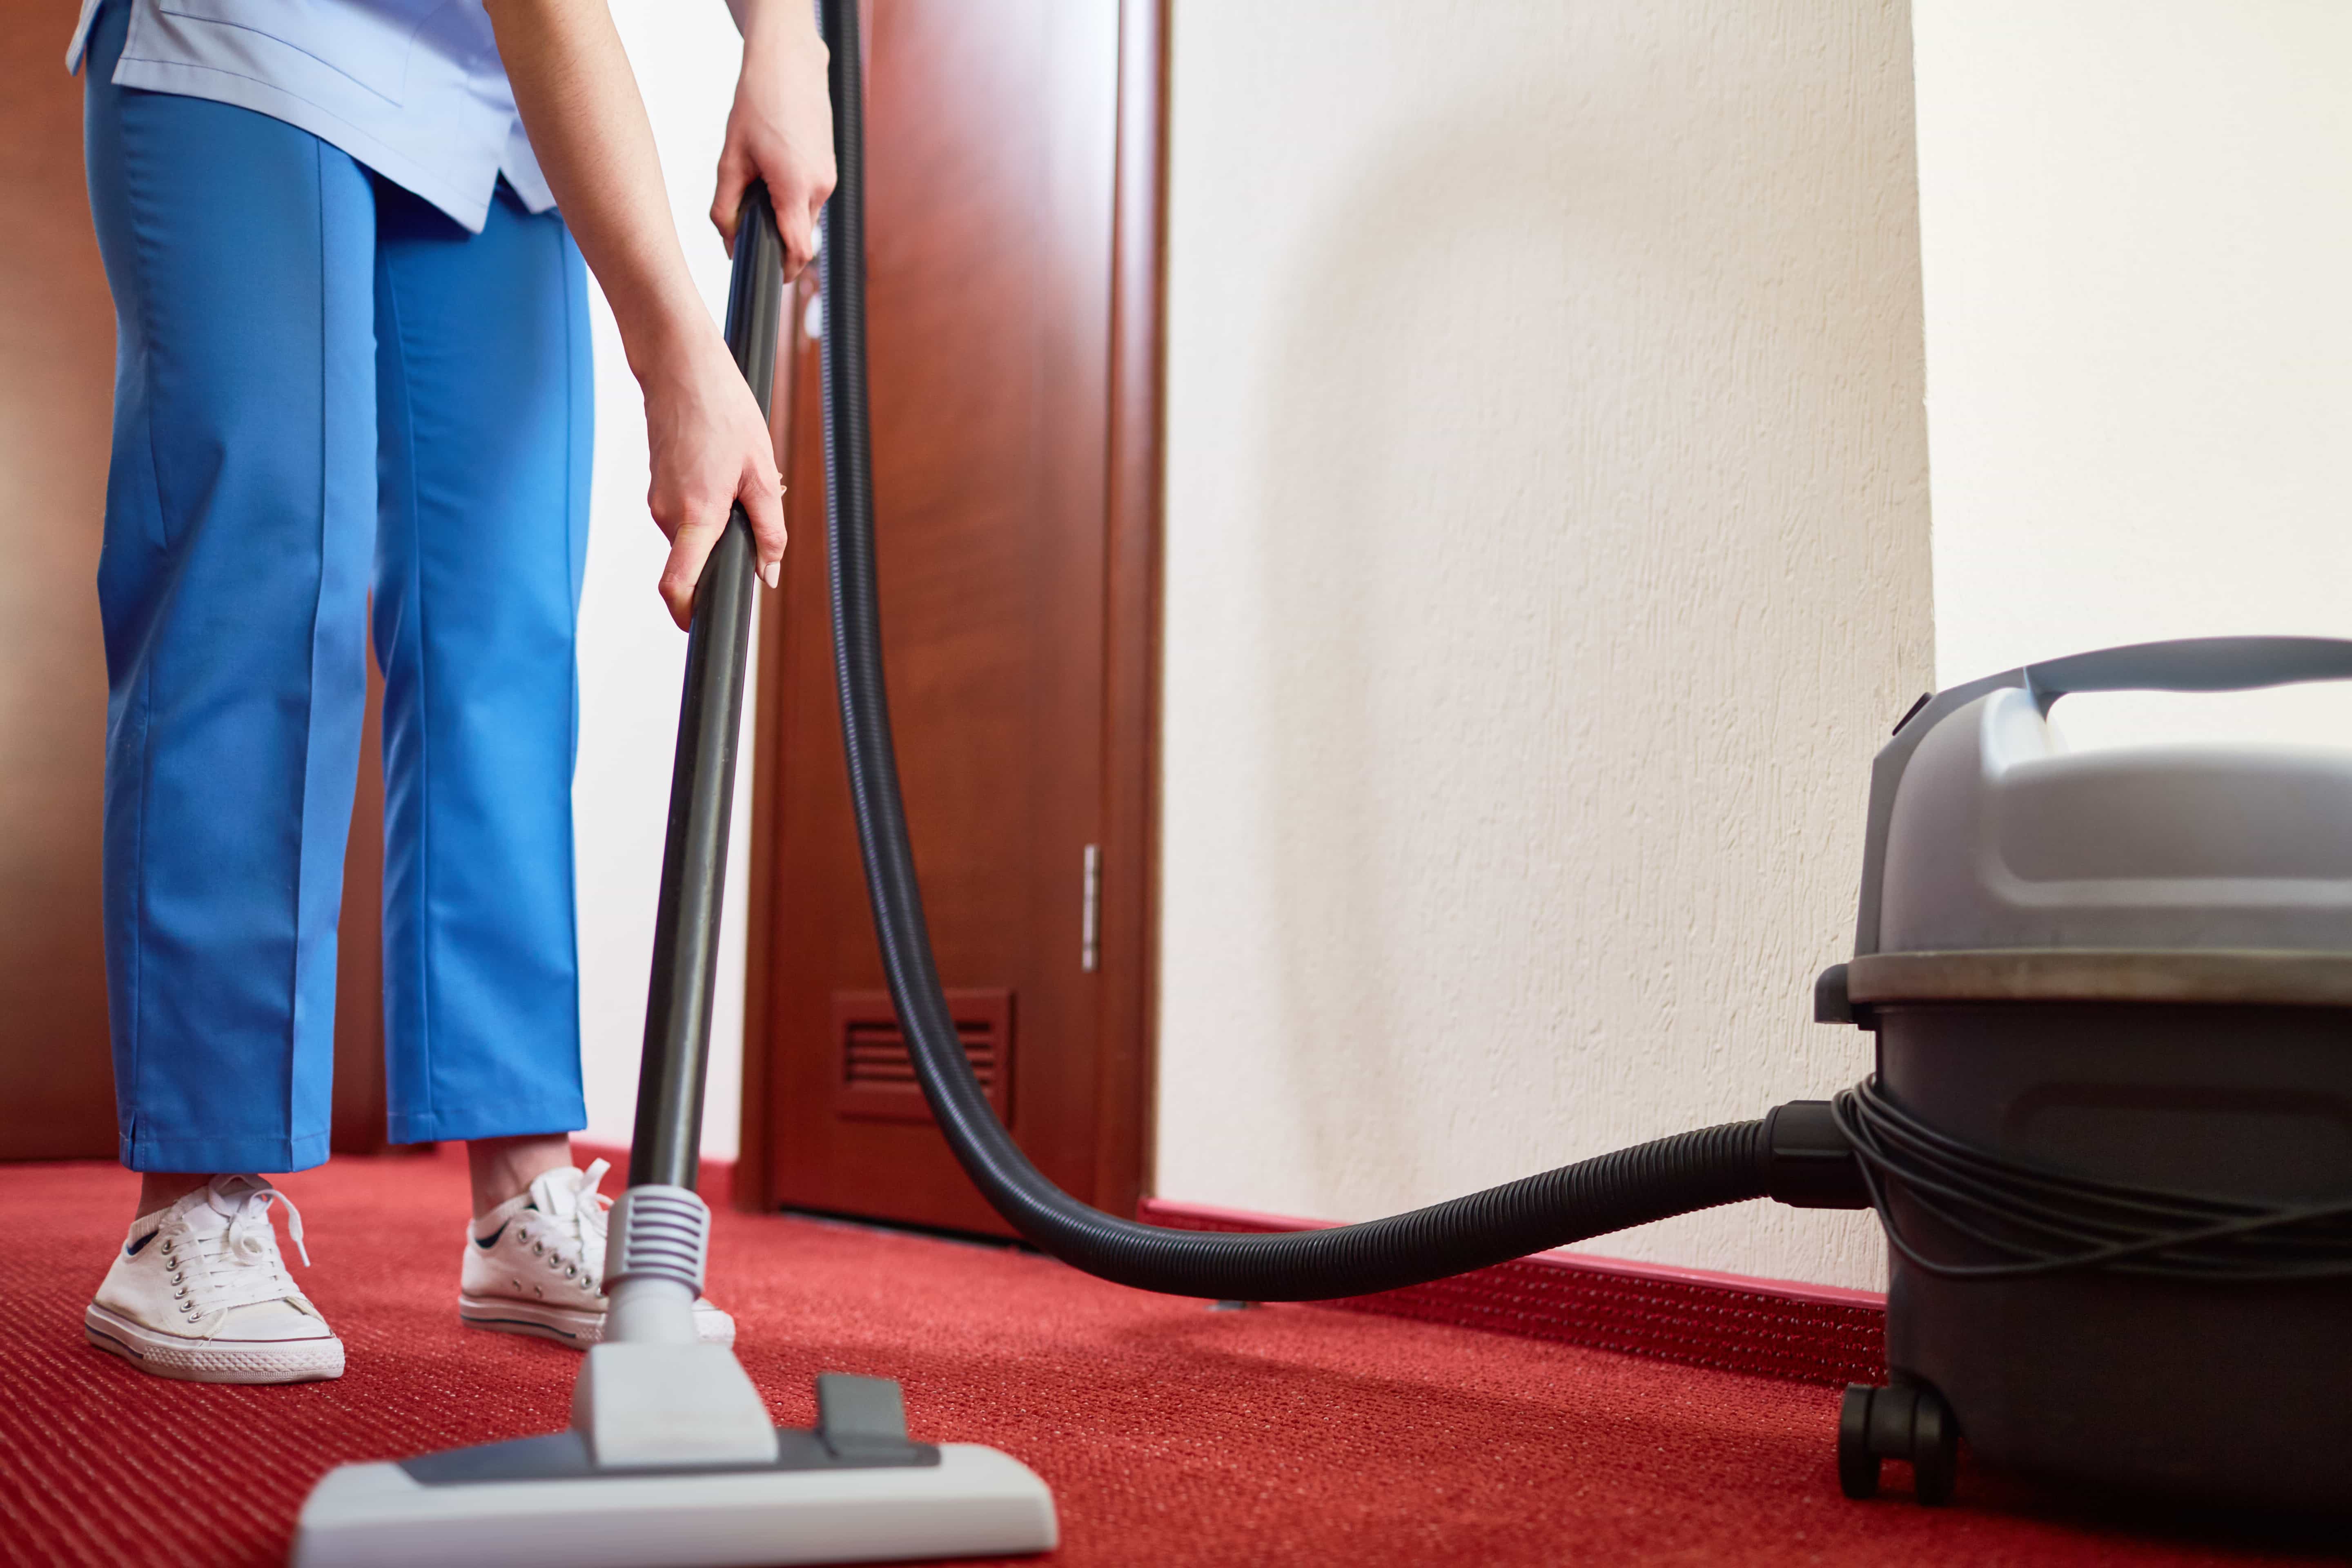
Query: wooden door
point(56, 384)
point(1012, 199)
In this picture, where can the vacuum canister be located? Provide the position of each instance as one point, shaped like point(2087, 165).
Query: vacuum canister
point(2110, 1132)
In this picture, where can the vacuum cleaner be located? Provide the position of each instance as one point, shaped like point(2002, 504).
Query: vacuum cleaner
point(2109, 1135)
point(2110, 1131)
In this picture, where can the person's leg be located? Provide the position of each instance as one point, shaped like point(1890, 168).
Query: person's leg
point(502, 1168)
point(487, 406)
point(487, 400)
point(240, 504)
point(162, 1189)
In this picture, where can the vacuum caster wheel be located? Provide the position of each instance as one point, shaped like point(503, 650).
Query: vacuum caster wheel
point(1935, 1448)
point(1906, 1421)
point(1857, 1466)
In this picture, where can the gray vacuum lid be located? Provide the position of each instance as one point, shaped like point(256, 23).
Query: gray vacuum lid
point(2000, 839)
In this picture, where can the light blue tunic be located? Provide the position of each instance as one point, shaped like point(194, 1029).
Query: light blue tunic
point(411, 89)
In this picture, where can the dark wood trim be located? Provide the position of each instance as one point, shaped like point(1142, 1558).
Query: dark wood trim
point(1130, 824)
point(753, 1186)
point(57, 386)
point(1131, 805)
point(1766, 1328)
point(358, 1108)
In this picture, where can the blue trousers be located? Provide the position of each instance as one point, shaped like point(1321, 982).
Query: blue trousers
point(324, 388)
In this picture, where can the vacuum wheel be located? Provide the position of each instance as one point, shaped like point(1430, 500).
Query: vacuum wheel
point(1906, 1421)
point(1858, 1464)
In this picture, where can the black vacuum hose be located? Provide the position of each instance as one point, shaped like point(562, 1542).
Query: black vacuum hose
point(1632, 1186)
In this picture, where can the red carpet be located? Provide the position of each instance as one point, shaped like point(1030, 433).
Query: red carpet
point(1171, 1434)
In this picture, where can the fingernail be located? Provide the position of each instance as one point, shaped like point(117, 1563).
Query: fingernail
point(773, 572)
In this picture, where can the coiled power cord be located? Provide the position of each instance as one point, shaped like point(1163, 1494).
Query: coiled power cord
point(2021, 1221)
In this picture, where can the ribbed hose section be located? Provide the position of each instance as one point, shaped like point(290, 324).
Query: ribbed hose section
point(1673, 1175)
point(658, 1231)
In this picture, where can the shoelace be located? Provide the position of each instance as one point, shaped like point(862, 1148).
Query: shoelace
point(570, 1220)
point(238, 1265)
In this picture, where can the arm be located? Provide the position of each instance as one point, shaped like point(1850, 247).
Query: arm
point(781, 127)
point(708, 444)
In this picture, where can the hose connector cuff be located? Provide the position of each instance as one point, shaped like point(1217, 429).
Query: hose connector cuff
point(661, 1231)
point(1808, 1163)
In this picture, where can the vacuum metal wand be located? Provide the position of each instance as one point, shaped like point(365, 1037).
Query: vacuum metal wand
point(702, 780)
point(659, 1228)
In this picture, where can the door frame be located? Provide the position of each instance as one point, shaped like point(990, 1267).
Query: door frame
point(1126, 988)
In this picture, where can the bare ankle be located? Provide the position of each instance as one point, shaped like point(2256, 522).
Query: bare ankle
point(504, 1168)
point(162, 1189)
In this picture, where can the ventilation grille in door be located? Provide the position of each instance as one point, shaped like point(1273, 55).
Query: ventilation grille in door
point(874, 1078)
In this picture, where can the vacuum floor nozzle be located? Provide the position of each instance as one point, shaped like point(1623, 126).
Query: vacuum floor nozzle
point(853, 1489)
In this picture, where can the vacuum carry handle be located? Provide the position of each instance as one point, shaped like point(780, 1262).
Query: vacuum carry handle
point(2192, 664)
point(668, 1140)
point(2188, 664)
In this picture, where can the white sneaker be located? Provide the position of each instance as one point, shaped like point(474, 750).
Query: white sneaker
point(200, 1292)
point(535, 1265)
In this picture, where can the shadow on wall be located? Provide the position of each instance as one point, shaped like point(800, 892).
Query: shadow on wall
point(1563, 453)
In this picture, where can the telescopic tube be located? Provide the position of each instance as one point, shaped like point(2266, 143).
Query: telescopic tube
point(669, 1135)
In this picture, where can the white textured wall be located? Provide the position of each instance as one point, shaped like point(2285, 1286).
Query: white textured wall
point(2137, 218)
point(632, 658)
point(1546, 554)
